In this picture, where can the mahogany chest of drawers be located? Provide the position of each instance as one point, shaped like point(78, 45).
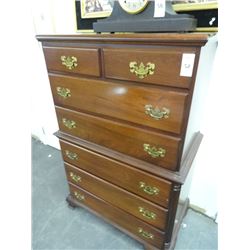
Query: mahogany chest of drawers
point(123, 104)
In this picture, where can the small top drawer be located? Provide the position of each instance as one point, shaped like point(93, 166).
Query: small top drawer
point(74, 60)
point(157, 66)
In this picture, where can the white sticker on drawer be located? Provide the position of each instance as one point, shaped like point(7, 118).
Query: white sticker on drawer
point(187, 64)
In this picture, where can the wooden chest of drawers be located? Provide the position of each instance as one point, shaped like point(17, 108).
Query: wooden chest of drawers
point(123, 109)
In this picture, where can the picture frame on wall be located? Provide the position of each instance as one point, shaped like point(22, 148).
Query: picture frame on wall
point(96, 8)
point(89, 11)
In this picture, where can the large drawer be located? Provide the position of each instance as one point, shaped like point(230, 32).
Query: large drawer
point(158, 66)
point(138, 228)
point(134, 180)
point(159, 149)
point(155, 107)
point(74, 60)
point(135, 205)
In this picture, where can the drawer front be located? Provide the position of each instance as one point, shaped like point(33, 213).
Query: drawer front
point(161, 150)
point(122, 219)
point(157, 66)
point(141, 183)
point(154, 107)
point(73, 60)
point(139, 207)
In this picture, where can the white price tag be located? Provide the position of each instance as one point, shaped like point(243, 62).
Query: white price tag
point(187, 64)
point(160, 7)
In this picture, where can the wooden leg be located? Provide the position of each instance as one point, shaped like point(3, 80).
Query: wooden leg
point(167, 246)
point(70, 203)
point(148, 247)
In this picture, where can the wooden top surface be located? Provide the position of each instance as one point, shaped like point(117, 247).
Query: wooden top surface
point(159, 38)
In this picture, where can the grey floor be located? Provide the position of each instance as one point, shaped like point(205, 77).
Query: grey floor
point(56, 226)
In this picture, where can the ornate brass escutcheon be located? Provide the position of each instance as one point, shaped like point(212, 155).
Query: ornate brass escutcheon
point(153, 151)
point(147, 214)
point(142, 71)
point(75, 177)
point(69, 123)
point(71, 155)
point(148, 189)
point(145, 233)
point(63, 92)
point(78, 196)
point(157, 113)
point(70, 62)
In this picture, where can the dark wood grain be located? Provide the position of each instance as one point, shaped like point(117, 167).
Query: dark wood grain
point(117, 196)
point(178, 177)
point(178, 39)
point(121, 137)
point(87, 60)
point(126, 102)
point(119, 217)
point(117, 173)
point(167, 64)
point(107, 103)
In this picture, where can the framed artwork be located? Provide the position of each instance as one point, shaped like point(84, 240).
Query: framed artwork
point(89, 11)
point(96, 8)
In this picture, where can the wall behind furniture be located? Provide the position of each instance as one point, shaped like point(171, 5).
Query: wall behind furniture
point(58, 17)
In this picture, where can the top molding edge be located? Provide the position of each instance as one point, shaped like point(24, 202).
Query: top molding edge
point(199, 39)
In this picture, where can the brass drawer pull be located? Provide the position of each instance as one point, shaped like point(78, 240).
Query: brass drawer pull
point(70, 62)
point(142, 71)
point(69, 123)
point(78, 196)
point(157, 113)
point(153, 151)
point(71, 155)
point(63, 92)
point(147, 214)
point(145, 233)
point(75, 177)
point(148, 189)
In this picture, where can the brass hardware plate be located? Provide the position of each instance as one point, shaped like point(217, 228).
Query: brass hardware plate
point(63, 92)
point(70, 62)
point(142, 71)
point(153, 151)
point(75, 177)
point(148, 189)
point(79, 196)
point(147, 213)
point(157, 113)
point(69, 123)
point(145, 234)
point(71, 155)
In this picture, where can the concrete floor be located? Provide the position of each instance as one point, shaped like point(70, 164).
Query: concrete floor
point(56, 226)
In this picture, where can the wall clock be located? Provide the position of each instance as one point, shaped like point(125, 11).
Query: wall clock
point(133, 6)
point(138, 16)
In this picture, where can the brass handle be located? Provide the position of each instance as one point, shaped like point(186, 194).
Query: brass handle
point(70, 62)
point(153, 151)
point(69, 123)
point(147, 214)
point(142, 71)
point(78, 196)
point(75, 177)
point(148, 189)
point(157, 113)
point(63, 92)
point(145, 233)
point(71, 155)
